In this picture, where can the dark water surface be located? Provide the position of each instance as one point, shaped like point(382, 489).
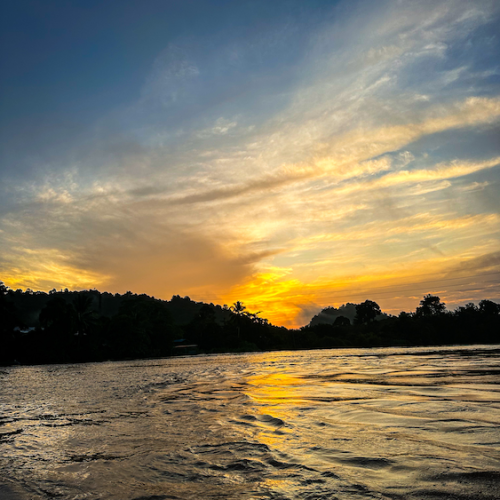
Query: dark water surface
point(419, 423)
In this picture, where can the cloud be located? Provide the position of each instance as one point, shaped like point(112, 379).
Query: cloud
point(359, 156)
point(45, 269)
point(439, 172)
point(420, 223)
point(488, 263)
point(265, 183)
point(121, 251)
point(304, 159)
point(293, 303)
point(351, 151)
point(474, 186)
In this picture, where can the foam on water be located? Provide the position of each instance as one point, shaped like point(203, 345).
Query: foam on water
point(415, 423)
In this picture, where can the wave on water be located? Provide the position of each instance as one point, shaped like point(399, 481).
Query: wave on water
point(407, 423)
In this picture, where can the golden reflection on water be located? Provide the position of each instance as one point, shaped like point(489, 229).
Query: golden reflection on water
point(276, 394)
point(349, 424)
point(276, 388)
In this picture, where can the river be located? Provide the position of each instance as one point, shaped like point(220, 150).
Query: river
point(346, 424)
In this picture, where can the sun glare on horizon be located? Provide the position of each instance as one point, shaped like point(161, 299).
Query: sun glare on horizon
point(291, 155)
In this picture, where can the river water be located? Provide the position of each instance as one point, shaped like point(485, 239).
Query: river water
point(391, 423)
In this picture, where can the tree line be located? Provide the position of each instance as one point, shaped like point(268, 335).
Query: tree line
point(76, 326)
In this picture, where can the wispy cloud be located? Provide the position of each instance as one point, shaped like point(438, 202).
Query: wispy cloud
point(285, 167)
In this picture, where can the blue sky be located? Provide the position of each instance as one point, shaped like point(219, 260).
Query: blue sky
point(289, 154)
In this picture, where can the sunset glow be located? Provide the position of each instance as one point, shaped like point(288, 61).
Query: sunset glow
point(290, 155)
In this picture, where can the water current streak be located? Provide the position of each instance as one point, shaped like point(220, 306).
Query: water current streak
point(396, 423)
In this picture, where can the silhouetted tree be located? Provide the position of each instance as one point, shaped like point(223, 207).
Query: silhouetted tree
point(83, 314)
point(489, 308)
point(367, 311)
point(430, 305)
point(8, 321)
point(341, 321)
point(469, 310)
point(238, 308)
point(239, 311)
point(204, 329)
point(131, 326)
point(56, 340)
point(57, 315)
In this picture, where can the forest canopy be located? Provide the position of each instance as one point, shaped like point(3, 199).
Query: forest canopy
point(75, 326)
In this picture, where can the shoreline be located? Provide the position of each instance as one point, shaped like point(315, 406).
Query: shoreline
point(495, 346)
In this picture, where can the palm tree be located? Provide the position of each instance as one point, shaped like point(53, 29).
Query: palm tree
point(82, 313)
point(239, 310)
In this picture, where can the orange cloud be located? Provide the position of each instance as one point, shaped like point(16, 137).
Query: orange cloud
point(288, 300)
point(46, 269)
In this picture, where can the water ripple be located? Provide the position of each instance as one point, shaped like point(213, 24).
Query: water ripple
point(415, 423)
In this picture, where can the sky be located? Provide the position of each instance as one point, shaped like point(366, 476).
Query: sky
point(292, 155)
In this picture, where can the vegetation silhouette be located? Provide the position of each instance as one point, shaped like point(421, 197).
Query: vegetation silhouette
point(367, 311)
point(430, 305)
point(70, 326)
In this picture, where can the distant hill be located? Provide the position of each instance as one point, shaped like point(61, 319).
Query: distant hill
point(329, 314)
